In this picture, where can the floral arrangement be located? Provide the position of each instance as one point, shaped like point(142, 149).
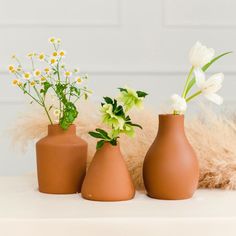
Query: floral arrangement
point(114, 116)
point(52, 78)
point(201, 58)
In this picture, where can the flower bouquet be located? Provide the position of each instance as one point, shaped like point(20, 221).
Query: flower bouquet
point(61, 155)
point(170, 169)
point(108, 178)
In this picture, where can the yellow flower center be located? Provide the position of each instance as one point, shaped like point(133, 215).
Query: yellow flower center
point(52, 40)
point(54, 54)
point(15, 81)
point(67, 73)
point(42, 78)
point(37, 73)
point(53, 60)
point(79, 80)
point(27, 75)
point(11, 68)
point(41, 56)
point(62, 53)
point(32, 83)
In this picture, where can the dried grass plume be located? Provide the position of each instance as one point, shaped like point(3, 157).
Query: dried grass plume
point(212, 136)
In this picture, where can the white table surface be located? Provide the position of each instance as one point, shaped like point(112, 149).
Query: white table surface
point(25, 211)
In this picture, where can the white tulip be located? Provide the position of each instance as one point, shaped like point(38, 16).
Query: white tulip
point(178, 104)
point(200, 55)
point(210, 86)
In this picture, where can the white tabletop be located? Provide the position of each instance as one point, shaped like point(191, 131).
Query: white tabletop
point(25, 211)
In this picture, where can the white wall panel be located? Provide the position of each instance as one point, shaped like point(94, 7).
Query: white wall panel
point(59, 13)
point(141, 43)
point(199, 13)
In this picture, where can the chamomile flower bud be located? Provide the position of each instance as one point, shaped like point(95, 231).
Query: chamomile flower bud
point(47, 70)
point(78, 80)
point(42, 79)
point(41, 56)
point(13, 56)
point(32, 83)
point(19, 83)
point(30, 54)
point(58, 40)
point(11, 68)
point(19, 69)
point(52, 40)
point(56, 112)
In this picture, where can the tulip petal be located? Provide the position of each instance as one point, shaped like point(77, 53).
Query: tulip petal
point(213, 97)
point(200, 77)
point(214, 83)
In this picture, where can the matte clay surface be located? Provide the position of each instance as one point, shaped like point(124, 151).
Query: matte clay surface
point(61, 161)
point(108, 178)
point(170, 169)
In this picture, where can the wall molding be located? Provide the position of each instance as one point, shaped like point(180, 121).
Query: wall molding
point(139, 70)
point(193, 24)
point(117, 22)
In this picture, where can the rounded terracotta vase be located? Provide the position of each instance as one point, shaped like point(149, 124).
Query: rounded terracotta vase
point(108, 178)
point(170, 169)
point(61, 161)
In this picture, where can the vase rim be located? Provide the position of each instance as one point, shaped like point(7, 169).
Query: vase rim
point(171, 115)
point(56, 129)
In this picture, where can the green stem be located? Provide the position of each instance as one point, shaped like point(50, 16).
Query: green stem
point(25, 91)
point(43, 104)
point(193, 96)
point(47, 113)
point(187, 82)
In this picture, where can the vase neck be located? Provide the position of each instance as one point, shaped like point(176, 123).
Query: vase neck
point(171, 124)
point(57, 130)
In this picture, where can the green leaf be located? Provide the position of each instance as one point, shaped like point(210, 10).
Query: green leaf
point(103, 133)
point(136, 125)
point(141, 94)
point(108, 100)
point(95, 134)
point(204, 68)
point(113, 142)
point(123, 90)
point(100, 144)
point(46, 86)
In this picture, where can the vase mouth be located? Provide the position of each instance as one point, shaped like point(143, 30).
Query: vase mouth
point(109, 145)
point(171, 115)
point(55, 129)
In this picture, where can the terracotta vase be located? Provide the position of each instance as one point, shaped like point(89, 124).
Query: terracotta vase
point(108, 178)
point(61, 161)
point(170, 169)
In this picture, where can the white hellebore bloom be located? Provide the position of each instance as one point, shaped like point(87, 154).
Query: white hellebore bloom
point(210, 86)
point(200, 55)
point(178, 104)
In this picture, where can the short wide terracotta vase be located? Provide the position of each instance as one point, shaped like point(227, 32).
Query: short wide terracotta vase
point(170, 169)
point(108, 178)
point(61, 161)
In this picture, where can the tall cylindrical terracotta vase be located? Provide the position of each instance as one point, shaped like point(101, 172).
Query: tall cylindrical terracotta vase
point(108, 178)
point(61, 161)
point(170, 169)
